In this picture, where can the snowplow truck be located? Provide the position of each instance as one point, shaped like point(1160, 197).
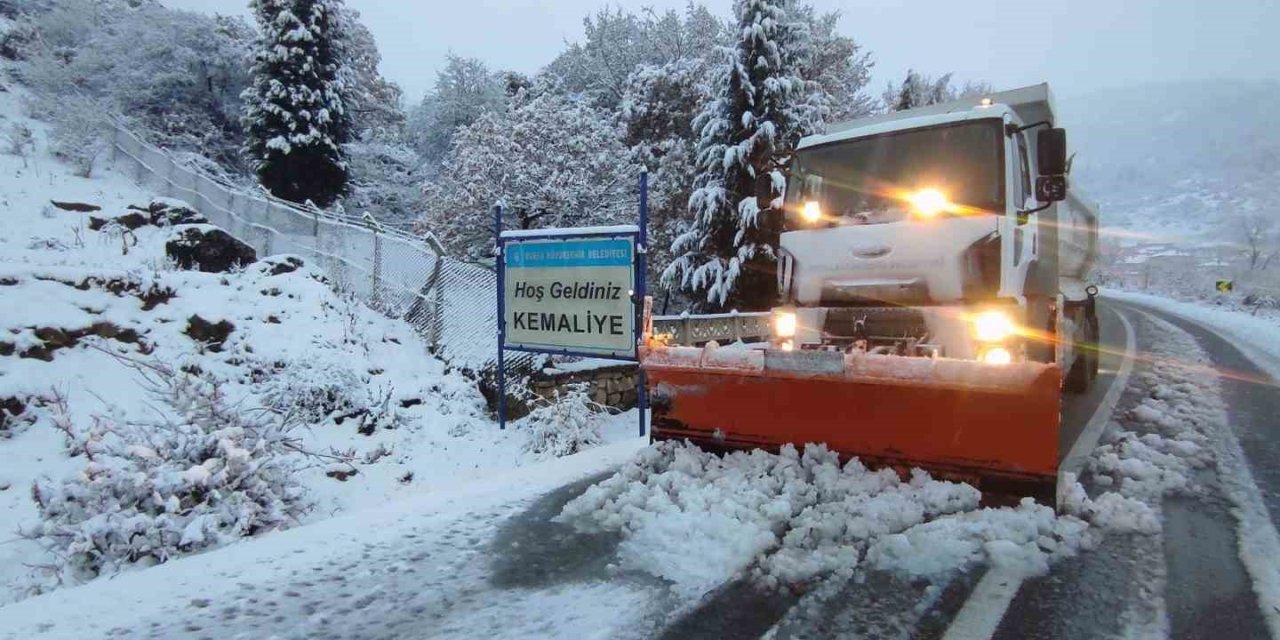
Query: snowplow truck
point(934, 303)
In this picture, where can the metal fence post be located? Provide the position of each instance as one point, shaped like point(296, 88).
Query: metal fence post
point(376, 299)
point(437, 310)
point(115, 144)
point(169, 185)
point(140, 177)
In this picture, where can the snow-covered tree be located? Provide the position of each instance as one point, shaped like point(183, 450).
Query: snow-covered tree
point(174, 76)
point(385, 180)
point(839, 67)
point(553, 160)
point(617, 43)
point(657, 112)
point(762, 107)
point(1261, 234)
point(294, 110)
point(464, 90)
point(918, 90)
point(374, 103)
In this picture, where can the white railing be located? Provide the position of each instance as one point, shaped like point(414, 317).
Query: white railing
point(696, 330)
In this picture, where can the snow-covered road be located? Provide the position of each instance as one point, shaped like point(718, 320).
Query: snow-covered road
point(685, 558)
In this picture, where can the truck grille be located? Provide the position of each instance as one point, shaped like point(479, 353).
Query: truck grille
point(877, 325)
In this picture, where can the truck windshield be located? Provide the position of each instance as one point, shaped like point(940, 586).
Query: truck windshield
point(872, 180)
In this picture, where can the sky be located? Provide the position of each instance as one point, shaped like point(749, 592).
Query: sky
point(1077, 46)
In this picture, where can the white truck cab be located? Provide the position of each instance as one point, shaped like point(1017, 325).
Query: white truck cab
point(944, 231)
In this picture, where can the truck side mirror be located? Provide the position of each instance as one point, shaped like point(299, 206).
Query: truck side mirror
point(1051, 152)
point(1051, 159)
point(1051, 188)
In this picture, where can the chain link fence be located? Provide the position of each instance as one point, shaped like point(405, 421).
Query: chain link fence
point(451, 303)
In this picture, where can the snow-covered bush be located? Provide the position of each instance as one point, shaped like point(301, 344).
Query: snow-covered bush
point(206, 474)
point(16, 35)
point(384, 181)
point(324, 391)
point(77, 135)
point(18, 139)
point(313, 394)
point(566, 424)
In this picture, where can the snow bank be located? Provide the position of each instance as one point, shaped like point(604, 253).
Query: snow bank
point(1258, 337)
point(1184, 426)
point(698, 519)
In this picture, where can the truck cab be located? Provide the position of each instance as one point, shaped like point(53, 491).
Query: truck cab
point(946, 231)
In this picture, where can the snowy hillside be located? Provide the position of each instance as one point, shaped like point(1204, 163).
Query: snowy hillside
point(109, 354)
point(1178, 160)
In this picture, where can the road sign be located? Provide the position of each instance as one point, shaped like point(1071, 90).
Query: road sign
point(1226, 286)
point(571, 293)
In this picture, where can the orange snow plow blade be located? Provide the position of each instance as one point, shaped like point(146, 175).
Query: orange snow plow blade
point(992, 425)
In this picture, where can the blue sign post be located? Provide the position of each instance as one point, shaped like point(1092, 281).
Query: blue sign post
point(577, 291)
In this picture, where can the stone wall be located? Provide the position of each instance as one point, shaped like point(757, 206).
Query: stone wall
point(613, 386)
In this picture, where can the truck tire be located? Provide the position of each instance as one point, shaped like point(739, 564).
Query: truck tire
point(1077, 380)
point(1084, 370)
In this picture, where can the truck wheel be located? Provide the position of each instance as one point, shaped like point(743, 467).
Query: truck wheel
point(1085, 369)
point(1078, 380)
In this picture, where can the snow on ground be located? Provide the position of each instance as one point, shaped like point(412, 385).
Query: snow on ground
point(418, 567)
point(363, 387)
point(1183, 426)
point(1258, 337)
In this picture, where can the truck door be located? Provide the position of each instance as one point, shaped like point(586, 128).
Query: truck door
point(1024, 234)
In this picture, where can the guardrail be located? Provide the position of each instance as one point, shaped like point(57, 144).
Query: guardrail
point(697, 330)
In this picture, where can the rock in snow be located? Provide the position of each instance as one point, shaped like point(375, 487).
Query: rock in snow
point(207, 248)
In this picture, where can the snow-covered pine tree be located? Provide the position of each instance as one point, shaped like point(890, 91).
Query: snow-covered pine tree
point(294, 113)
point(761, 108)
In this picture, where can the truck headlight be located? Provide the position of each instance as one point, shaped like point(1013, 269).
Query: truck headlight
point(811, 211)
point(784, 324)
point(993, 326)
point(997, 355)
point(928, 203)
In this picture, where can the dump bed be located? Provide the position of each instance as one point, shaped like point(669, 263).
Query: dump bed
point(1077, 237)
